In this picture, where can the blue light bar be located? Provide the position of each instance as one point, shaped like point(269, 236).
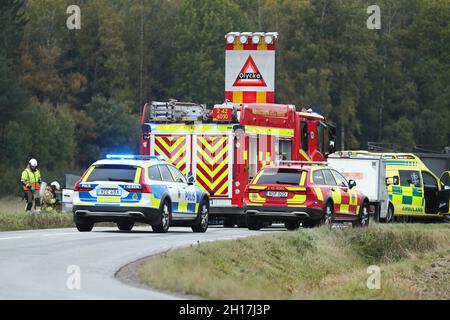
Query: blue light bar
point(133, 157)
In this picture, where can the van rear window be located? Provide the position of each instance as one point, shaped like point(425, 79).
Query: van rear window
point(112, 172)
point(280, 176)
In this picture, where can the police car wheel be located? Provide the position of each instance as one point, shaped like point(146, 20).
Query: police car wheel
point(253, 223)
point(363, 216)
point(84, 226)
point(163, 226)
point(292, 225)
point(201, 222)
point(125, 225)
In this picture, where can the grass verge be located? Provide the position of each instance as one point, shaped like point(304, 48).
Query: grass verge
point(13, 217)
point(311, 264)
point(44, 220)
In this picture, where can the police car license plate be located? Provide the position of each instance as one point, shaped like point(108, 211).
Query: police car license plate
point(109, 192)
point(277, 194)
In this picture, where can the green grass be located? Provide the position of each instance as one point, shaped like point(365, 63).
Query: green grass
point(311, 264)
point(13, 217)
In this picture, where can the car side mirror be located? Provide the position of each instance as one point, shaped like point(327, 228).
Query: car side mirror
point(396, 180)
point(351, 183)
point(190, 178)
point(392, 181)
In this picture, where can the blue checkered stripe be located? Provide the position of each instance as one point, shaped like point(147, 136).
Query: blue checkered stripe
point(191, 207)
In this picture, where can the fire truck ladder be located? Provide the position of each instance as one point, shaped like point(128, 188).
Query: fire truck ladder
point(175, 111)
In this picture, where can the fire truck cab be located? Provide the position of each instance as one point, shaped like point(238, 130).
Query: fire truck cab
point(225, 147)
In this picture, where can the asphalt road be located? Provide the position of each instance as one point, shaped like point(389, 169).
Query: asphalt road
point(38, 264)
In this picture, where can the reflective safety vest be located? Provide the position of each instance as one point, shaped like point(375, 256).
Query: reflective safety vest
point(31, 179)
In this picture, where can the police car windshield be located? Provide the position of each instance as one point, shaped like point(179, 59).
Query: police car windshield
point(280, 176)
point(110, 172)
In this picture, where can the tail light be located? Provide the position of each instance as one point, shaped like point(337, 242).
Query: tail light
point(82, 188)
point(309, 191)
point(145, 188)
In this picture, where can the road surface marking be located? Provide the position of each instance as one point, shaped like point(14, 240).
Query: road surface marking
point(58, 234)
point(10, 238)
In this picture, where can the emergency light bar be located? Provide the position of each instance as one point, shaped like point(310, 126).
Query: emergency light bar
point(133, 157)
point(289, 162)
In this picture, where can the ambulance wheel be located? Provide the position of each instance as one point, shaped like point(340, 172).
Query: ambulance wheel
point(201, 222)
point(390, 214)
point(84, 226)
point(363, 216)
point(253, 223)
point(292, 225)
point(229, 222)
point(166, 214)
point(125, 225)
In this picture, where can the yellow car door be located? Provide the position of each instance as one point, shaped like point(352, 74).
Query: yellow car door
point(444, 193)
point(407, 195)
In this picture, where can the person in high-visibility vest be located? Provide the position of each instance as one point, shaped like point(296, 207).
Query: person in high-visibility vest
point(31, 182)
point(49, 200)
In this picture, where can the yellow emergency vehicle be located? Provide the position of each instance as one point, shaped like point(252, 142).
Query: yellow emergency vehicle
point(414, 190)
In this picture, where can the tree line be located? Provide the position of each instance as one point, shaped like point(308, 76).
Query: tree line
point(68, 97)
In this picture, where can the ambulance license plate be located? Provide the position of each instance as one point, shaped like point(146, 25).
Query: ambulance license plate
point(109, 192)
point(277, 194)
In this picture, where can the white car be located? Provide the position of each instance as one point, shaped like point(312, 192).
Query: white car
point(126, 189)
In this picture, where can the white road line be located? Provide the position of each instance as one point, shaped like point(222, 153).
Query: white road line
point(58, 234)
point(10, 238)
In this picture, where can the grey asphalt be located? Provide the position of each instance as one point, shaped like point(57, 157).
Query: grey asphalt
point(34, 264)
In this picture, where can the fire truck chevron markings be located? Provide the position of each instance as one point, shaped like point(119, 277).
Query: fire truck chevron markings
point(212, 161)
point(176, 159)
point(217, 181)
point(173, 145)
point(212, 146)
point(213, 173)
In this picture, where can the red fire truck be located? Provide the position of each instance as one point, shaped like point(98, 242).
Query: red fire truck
point(225, 147)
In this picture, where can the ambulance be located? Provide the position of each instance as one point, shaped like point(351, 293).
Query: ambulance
point(224, 148)
point(413, 189)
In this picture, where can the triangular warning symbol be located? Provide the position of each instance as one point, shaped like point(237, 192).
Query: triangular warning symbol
point(249, 76)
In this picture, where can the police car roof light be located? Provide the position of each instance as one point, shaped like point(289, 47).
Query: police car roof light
point(133, 157)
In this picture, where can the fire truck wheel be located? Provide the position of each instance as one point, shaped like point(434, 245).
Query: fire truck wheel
point(253, 223)
point(241, 222)
point(125, 225)
point(229, 222)
point(85, 226)
point(201, 222)
point(363, 216)
point(166, 216)
point(292, 225)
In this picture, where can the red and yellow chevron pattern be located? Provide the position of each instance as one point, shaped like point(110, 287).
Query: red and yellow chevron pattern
point(212, 164)
point(173, 148)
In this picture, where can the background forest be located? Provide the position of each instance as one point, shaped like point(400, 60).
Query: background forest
point(69, 96)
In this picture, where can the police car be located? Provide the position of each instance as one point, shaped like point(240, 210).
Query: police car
point(126, 189)
point(304, 193)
